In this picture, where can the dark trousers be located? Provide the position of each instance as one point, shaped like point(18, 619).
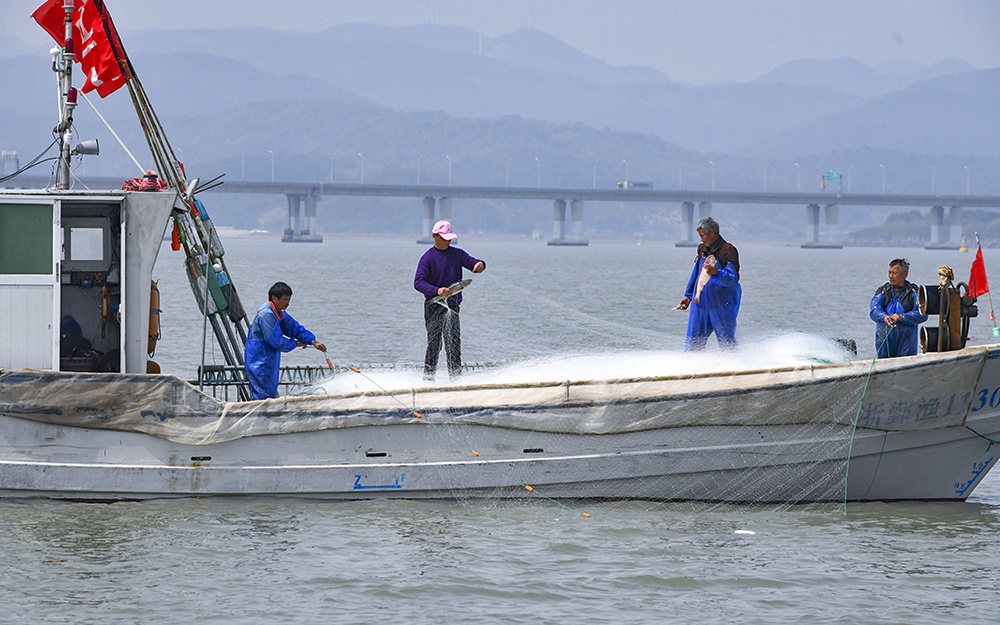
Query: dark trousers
point(442, 324)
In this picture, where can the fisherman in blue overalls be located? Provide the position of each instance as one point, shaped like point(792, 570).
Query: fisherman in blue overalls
point(895, 311)
point(713, 292)
point(273, 331)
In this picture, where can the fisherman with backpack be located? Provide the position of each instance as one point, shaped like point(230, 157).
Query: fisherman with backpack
point(713, 291)
point(896, 314)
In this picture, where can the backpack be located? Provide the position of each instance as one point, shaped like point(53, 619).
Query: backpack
point(905, 299)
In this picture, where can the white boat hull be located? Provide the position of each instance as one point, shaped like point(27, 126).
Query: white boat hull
point(715, 437)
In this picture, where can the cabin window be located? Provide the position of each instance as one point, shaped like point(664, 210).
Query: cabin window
point(86, 244)
point(26, 239)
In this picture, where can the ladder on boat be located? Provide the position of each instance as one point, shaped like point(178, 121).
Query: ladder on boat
point(218, 380)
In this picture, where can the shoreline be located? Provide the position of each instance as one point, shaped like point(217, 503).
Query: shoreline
point(226, 232)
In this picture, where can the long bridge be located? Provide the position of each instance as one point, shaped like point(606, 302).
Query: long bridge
point(567, 204)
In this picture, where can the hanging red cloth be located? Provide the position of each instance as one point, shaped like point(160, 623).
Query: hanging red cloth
point(978, 285)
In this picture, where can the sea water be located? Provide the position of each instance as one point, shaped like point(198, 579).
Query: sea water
point(606, 310)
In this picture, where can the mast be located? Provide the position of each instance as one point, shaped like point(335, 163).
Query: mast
point(195, 230)
point(64, 67)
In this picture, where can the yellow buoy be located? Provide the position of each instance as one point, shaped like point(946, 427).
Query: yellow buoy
point(963, 247)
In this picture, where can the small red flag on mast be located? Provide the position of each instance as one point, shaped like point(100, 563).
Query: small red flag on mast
point(978, 284)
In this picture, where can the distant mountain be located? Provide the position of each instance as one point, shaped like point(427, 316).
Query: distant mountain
point(526, 49)
point(919, 71)
point(203, 83)
point(522, 108)
point(897, 67)
point(536, 76)
point(953, 114)
point(11, 47)
point(523, 73)
point(180, 85)
point(851, 76)
point(535, 51)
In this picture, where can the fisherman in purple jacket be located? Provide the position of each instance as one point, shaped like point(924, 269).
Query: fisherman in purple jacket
point(440, 267)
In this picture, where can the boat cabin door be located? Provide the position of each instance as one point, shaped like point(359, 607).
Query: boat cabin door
point(90, 334)
point(30, 241)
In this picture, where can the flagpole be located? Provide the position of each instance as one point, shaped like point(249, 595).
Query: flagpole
point(988, 294)
point(68, 95)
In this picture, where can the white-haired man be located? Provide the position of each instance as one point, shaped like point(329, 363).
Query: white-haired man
point(713, 292)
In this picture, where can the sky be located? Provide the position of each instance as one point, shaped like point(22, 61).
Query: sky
point(692, 41)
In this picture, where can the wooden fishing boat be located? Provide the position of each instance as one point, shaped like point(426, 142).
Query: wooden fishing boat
point(88, 416)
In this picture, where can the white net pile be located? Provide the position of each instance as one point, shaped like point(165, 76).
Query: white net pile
point(743, 426)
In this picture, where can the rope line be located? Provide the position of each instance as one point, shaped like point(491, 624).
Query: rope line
point(857, 416)
point(985, 438)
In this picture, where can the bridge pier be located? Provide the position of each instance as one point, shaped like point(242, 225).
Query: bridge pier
point(310, 214)
point(428, 223)
point(295, 231)
point(558, 220)
point(813, 227)
point(688, 224)
point(575, 225)
point(955, 217)
point(443, 212)
point(945, 236)
point(704, 210)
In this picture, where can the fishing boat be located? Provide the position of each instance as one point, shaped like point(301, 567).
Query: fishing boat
point(95, 420)
point(95, 424)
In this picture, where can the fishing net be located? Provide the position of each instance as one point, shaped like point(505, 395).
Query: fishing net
point(618, 413)
point(634, 423)
point(579, 395)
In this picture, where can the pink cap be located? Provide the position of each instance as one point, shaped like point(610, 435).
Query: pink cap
point(444, 228)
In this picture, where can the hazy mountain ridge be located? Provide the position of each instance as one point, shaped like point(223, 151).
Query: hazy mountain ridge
point(12, 46)
point(854, 77)
point(238, 100)
point(953, 114)
point(536, 76)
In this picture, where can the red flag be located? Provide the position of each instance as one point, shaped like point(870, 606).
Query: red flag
point(95, 45)
point(977, 279)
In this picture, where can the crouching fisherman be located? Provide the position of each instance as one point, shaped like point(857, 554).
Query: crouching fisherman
point(895, 311)
point(273, 331)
